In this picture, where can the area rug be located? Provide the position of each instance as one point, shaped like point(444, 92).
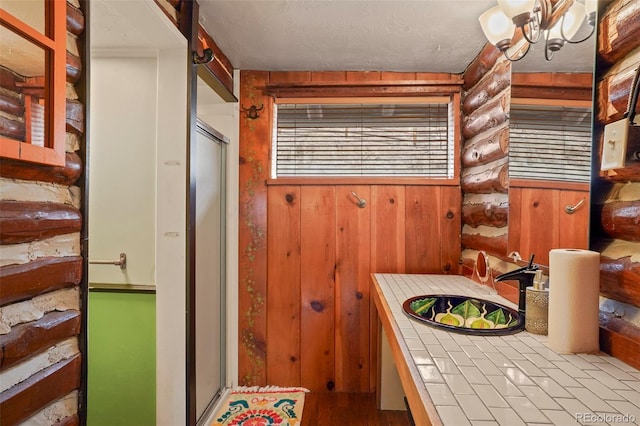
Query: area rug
point(262, 406)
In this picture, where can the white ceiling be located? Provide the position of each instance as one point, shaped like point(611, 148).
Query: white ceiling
point(361, 35)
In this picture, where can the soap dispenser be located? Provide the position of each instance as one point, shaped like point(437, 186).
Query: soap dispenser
point(536, 319)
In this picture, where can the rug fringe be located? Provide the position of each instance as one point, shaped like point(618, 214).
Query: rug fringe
point(253, 389)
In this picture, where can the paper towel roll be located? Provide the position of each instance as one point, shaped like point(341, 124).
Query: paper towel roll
point(574, 287)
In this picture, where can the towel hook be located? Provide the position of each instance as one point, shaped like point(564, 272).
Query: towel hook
point(361, 201)
point(572, 209)
point(121, 261)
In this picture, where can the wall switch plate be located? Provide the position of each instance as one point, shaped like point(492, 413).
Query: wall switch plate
point(614, 147)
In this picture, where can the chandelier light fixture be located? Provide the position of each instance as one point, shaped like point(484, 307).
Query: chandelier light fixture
point(555, 21)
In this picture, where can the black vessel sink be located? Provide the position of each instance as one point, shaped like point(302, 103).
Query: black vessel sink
point(465, 315)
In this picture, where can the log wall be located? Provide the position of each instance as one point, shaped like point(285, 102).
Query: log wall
point(41, 269)
point(615, 226)
point(485, 162)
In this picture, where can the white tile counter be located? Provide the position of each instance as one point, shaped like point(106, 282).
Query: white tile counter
point(455, 379)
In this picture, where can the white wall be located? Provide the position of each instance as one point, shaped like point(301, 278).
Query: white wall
point(122, 168)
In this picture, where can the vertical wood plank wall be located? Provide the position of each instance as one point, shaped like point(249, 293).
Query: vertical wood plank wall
point(614, 225)
point(41, 270)
point(307, 251)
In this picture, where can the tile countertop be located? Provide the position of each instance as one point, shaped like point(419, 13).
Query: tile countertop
point(456, 379)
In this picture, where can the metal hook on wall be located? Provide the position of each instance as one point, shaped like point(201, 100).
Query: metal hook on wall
point(252, 111)
point(207, 56)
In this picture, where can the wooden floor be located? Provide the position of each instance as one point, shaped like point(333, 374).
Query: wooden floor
point(347, 409)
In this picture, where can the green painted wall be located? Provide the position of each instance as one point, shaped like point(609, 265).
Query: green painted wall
point(121, 359)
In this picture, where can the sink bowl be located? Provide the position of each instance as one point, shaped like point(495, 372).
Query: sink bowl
point(463, 314)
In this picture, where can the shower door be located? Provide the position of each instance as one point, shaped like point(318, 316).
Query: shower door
point(210, 261)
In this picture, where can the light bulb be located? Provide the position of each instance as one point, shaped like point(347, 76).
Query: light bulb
point(497, 27)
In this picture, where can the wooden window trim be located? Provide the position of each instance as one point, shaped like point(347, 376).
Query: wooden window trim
point(549, 184)
point(54, 44)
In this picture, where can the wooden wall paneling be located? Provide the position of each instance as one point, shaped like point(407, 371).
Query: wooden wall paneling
point(39, 390)
point(515, 217)
point(328, 76)
point(318, 268)
point(289, 77)
point(22, 222)
point(424, 216)
point(572, 228)
point(353, 225)
point(30, 338)
point(355, 76)
point(450, 226)
point(283, 286)
point(254, 136)
point(539, 223)
point(388, 229)
point(620, 339)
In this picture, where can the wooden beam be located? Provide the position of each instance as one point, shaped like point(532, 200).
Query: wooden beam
point(218, 73)
point(488, 87)
point(565, 86)
point(620, 279)
point(22, 282)
point(22, 222)
point(28, 339)
point(618, 30)
point(621, 220)
point(364, 89)
point(8, 79)
point(620, 339)
point(33, 394)
point(61, 175)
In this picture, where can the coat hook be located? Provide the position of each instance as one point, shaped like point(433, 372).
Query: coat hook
point(252, 111)
point(207, 56)
point(361, 201)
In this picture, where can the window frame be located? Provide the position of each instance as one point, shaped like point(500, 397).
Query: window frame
point(54, 45)
point(454, 100)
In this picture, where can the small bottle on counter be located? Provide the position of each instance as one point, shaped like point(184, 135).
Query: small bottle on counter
point(536, 319)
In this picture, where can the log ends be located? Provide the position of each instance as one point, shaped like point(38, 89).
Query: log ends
point(75, 20)
point(75, 116)
point(485, 214)
point(620, 339)
point(619, 30)
point(491, 243)
point(614, 89)
point(21, 401)
point(620, 279)
point(29, 339)
point(22, 222)
point(486, 148)
point(62, 175)
point(488, 87)
point(621, 220)
point(25, 281)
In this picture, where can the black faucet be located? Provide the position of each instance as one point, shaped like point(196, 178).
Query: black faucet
point(524, 276)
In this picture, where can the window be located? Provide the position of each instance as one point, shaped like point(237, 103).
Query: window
point(366, 138)
point(33, 67)
point(550, 142)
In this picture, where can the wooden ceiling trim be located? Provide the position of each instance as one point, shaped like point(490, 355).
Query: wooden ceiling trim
point(400, 88)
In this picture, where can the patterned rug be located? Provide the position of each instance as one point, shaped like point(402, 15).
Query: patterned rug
point(266, 406)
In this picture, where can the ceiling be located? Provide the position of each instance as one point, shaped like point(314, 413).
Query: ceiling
point(364, 35)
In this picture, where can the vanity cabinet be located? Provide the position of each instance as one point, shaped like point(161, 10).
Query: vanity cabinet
point(544, 216)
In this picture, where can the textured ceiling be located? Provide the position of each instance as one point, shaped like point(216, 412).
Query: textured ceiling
point(361, 35)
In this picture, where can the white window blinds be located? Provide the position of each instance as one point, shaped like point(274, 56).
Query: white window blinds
point(368, 139)
point(550, 143)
